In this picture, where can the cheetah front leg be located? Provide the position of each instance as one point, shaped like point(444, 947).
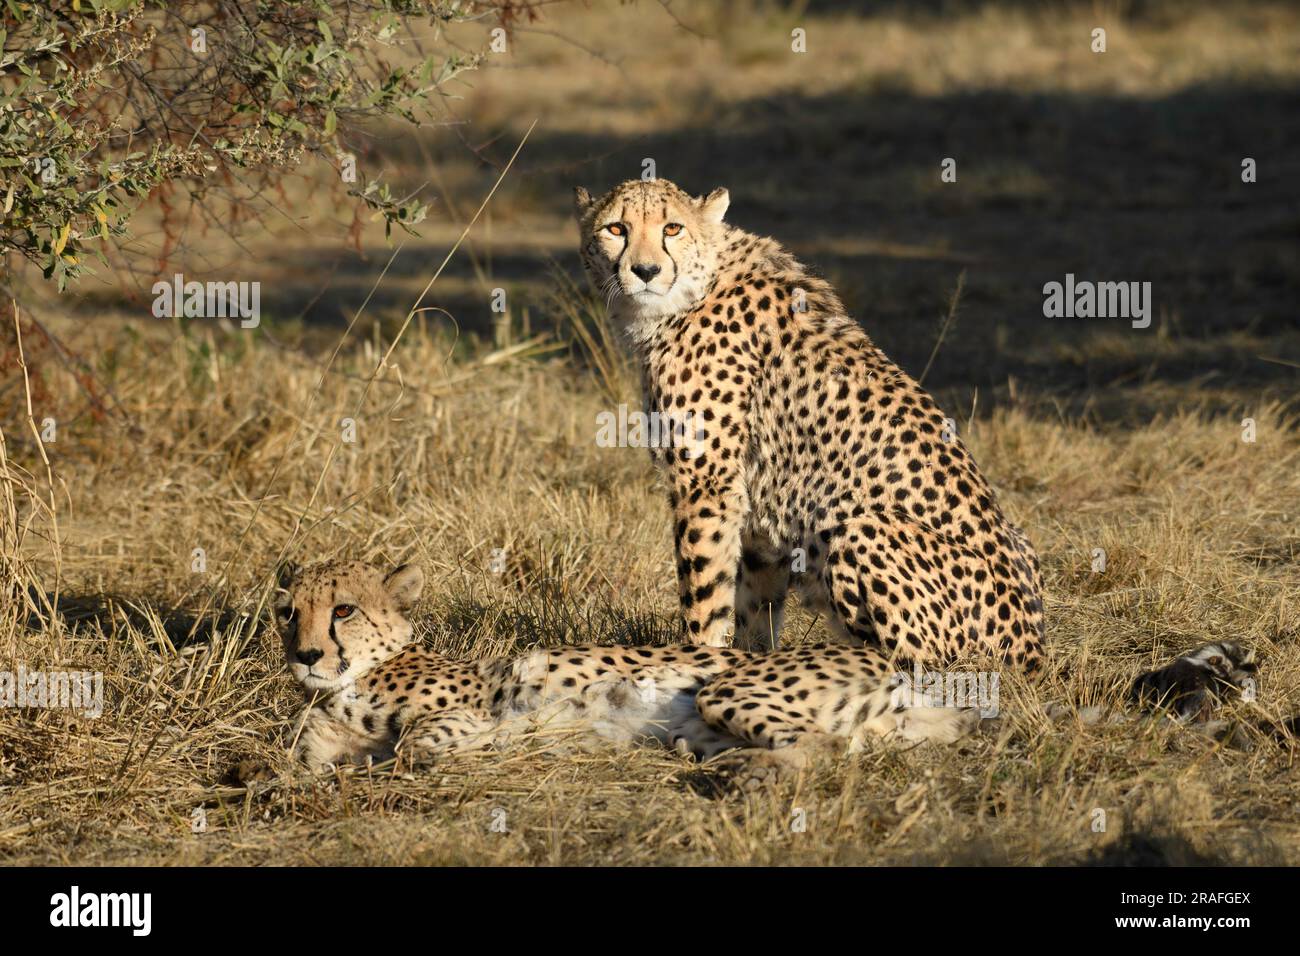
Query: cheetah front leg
point(323, 742)
point(709, 511)
point(457, 731)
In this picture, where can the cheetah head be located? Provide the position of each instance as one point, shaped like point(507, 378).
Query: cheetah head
point(338, 619)
point(650, 247)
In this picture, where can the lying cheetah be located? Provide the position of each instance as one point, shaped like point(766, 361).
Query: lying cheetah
point(349, 643)
point(813, 460)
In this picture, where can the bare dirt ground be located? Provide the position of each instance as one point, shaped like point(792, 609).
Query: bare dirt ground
point(1116, 166)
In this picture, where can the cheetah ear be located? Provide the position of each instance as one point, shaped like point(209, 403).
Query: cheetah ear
point(714, 206)
point(581, 201)
point(286, 574)
point(404, 584)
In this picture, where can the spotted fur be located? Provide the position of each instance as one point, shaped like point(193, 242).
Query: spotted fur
point(821, 465)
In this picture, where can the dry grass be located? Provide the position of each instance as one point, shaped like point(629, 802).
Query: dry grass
point(1194, 521)
point(1096, 439)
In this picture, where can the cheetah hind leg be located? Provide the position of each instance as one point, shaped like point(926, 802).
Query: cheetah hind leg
point(755, 767)
point(893, 714)
point(888, 713)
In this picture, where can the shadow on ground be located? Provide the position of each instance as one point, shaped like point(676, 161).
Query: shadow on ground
point(1106, 188)
point(109, 614)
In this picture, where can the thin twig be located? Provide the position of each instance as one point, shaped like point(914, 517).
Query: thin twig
point(948, 320)
point(49, 471)
point(383, 362)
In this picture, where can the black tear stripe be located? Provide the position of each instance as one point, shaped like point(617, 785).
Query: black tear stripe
point(663, 243)
point(343, 660)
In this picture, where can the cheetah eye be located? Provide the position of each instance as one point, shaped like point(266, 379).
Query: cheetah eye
point(285, 612)
point(616, 229)
point(343, 610)
point(672, 229)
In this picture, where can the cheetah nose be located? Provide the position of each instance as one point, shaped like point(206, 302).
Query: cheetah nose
point(646, 271)
point(310, 657)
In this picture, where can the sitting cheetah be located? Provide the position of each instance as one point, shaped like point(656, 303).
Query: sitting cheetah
point(349, 643)
point(814, 460)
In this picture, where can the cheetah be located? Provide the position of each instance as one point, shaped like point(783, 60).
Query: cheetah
point(815, 461)
point(372, 688)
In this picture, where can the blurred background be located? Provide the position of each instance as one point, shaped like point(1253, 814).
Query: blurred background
point(1117, 166)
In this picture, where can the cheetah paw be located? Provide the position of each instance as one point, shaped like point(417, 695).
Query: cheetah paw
point(941, 725)
point(756, 768)
point(248, 772)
